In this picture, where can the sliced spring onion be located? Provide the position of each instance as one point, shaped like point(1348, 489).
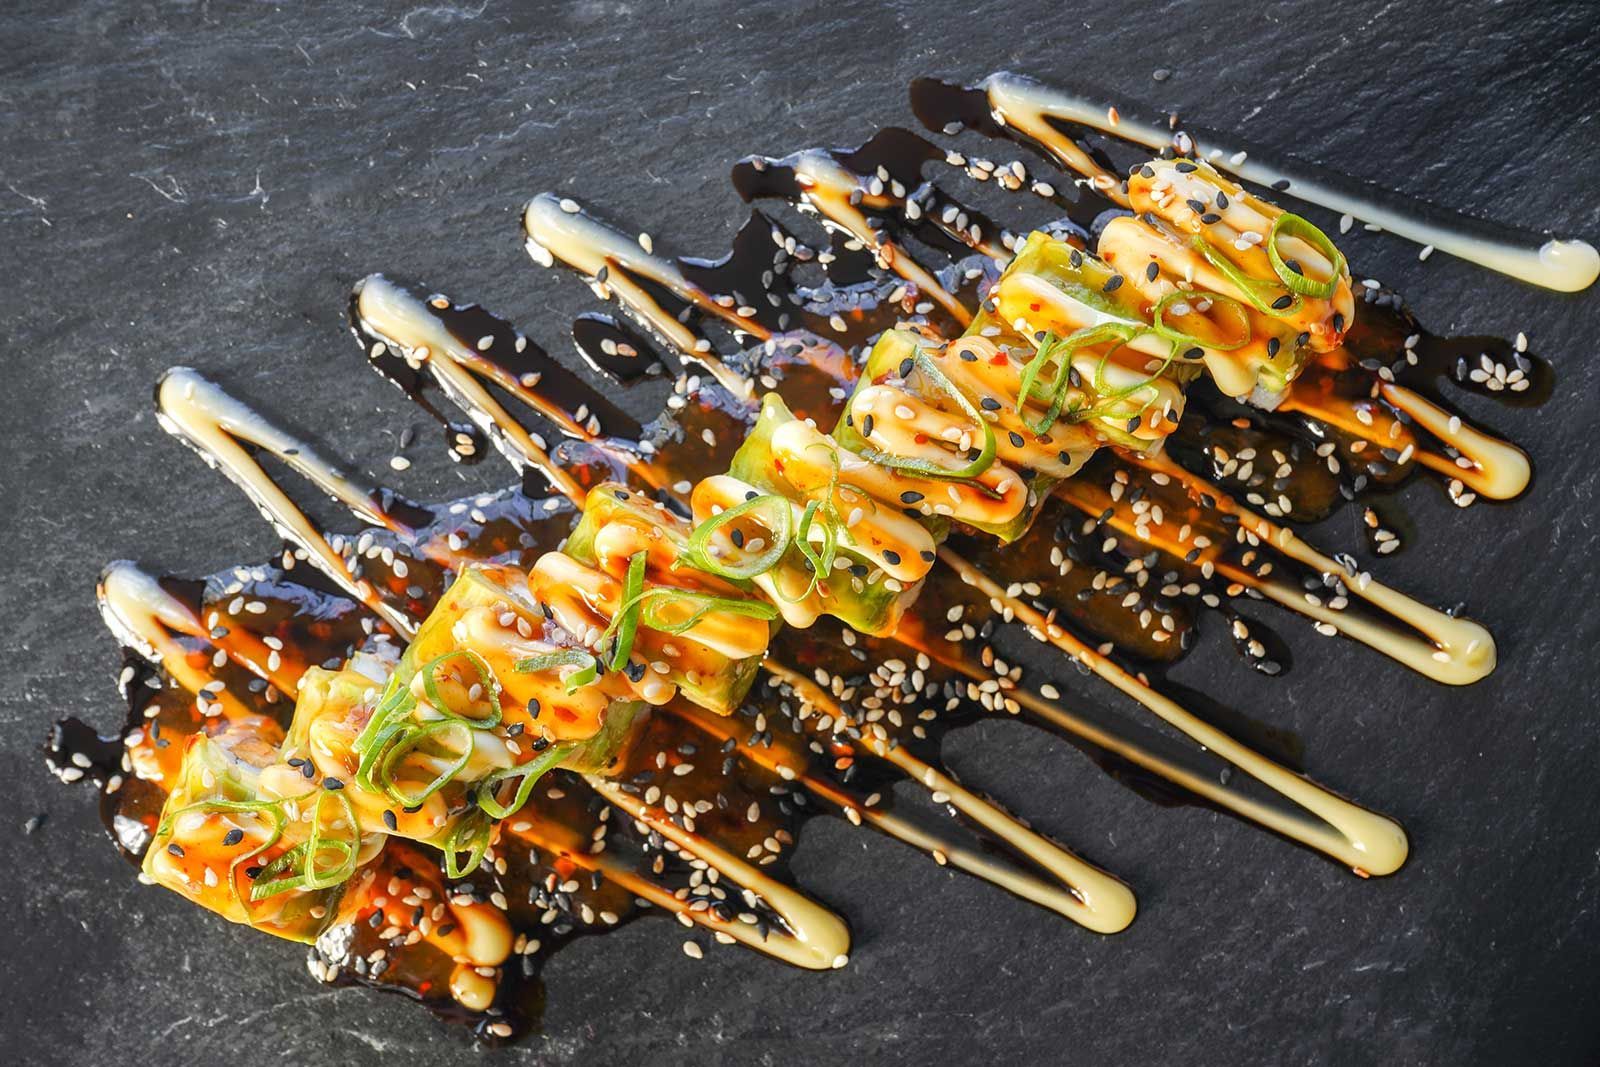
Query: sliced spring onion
point(1291, 225)
point(561, 657)
point(1110, 402)
point(654, 602)
point(821, 561)
point(588, 667)
point(929, 468)
point(529, 773)
point(1189, 340)
point(271, 808)
point(303, 867)
point(413, 739)
point(491, 688)
point(626, 621)
point(1258, 293)
point(1053, 350)
point(771, 510)
point(470, 835)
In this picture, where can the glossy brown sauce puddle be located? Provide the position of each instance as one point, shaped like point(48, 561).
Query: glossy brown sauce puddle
point(840, 717)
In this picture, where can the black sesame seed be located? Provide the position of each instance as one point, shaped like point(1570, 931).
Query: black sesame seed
point(1016, 439)
point(989, 403)
point(866, 425)
point(1151, 271)
point(1282, 302)
point(1185, 167)
point(910, 496)
point(176, 849)
point(905, 367)
point(389, 820)
point(1272, 346)
point(1113, 285)
point(891, 556)
point(1196, 206)
point(233, 837)
point(332, 783)
point(928, 555)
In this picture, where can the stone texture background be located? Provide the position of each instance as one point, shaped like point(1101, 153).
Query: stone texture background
point(201, 182)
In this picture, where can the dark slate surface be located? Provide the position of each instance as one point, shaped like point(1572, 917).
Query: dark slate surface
point(202, 182)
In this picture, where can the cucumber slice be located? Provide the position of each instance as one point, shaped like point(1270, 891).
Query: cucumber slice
point(858, 593)
point(704, 675)
point(221, 828)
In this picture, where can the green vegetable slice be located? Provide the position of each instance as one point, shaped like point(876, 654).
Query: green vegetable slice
point(529, 772)
point(1053, 350)
point(272, 808)
point(491, 688)
point(626, 621)
point(928, 468)
point(412, 740)
point(654, 601)
point(301, 867)
point(1178, 337)
point(470, 835)
point(773, 513)
point(1292, 225)
point(1259, 294)
point(588, 666)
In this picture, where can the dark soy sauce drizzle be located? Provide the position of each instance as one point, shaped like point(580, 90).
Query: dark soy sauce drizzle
point(784, 286)
point(615, 349)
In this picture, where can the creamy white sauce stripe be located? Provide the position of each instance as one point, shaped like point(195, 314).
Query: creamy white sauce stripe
point(1023, 104)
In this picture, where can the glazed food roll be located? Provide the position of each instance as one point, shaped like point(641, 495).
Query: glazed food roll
point(1060, 360)
point(629, 574)
point(270, 850)
point(484, 701)
point(1248, 354)
point(859, 555)
point(1250, 250)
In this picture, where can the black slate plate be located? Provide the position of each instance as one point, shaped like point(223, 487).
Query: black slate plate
point(201, 183)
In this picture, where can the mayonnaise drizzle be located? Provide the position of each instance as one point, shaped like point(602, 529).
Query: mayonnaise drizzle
point(556, 227)
point(1368, 842)
point(1447, 649)
point(1090, 897)
point(197, 411)
point(1028, 106)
